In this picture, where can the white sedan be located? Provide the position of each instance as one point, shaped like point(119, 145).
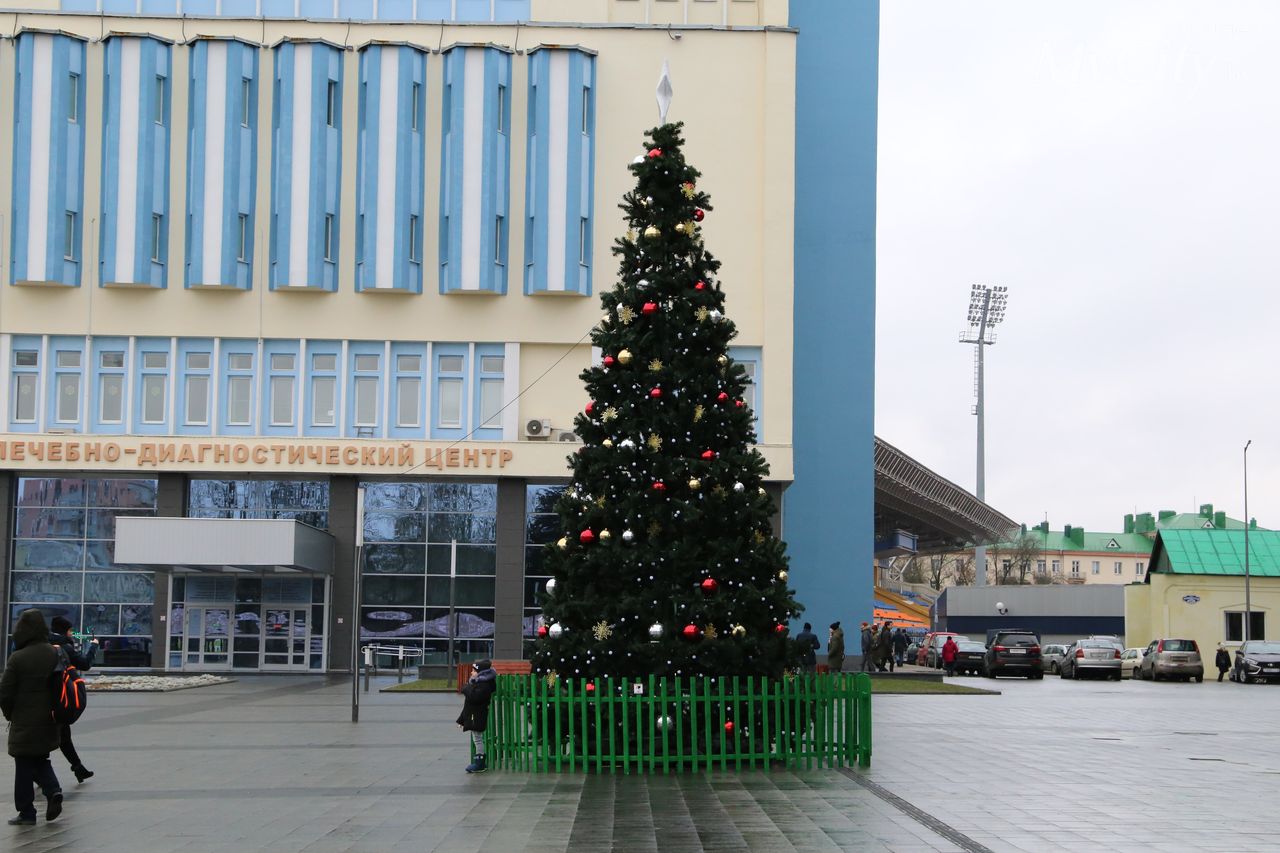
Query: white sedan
point(1129, 661)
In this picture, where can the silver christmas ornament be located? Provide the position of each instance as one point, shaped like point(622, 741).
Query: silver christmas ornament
point(551, 586)
point(655, 631)
point(738, 487)
point(628, 536)
point(555, 631)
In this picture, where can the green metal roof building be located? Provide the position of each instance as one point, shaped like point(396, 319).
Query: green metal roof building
point(1216, 552)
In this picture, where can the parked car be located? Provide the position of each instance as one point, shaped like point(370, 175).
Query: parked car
point(911, 652)
point(1051, 656)
point(1091, 657)
point(969, 656)
point(1171, 658)
point(1013, 653)
point(1129, 660)
point(933, 654)
point(1257, 660)
point(928, 641)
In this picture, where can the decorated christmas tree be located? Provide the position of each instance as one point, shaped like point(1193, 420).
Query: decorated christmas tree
point(668, 564)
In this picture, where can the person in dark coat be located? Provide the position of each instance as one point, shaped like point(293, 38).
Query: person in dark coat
point(26, 701)
point(884, 648)
point(477, 693)
point(900, 643)
point(807, 642)
point(83, 661)
point(867, 638)
point(835, 648)
point(1223, 660)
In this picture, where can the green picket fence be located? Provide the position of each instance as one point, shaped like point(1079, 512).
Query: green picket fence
point(669, 725)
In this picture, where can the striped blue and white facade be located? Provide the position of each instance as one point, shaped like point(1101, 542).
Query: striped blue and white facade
point(48, 159)
point(222, 163)
point(389, 171)
point(137, 77)
point(474, 169)
point(306, 165)
point(559, 185)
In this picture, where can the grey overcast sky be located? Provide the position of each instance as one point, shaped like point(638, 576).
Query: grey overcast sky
point(1116, 165)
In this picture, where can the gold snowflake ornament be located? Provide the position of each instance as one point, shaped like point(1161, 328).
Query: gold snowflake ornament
point(655, 365)
point(626, 315)
point(602, 631)
point(654, 441)
point(698, 412)
point(701, 314)
point(710, 633)
point(609, 414)
point(654, 529)
point(551, 679)
point(688, 189)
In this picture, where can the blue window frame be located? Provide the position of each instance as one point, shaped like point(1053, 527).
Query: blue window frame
point(449, 391)
point(152, 384)
point(280, 393)
point(408, 371)
point(487, 393)
point(321, 389)
point(194, 389)
point(66, 383)
point(24, 386)
point(109, 386)
point(236, 387)
point(364, 389)
point(750, 359)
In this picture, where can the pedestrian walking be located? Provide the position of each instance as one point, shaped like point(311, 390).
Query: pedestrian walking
point(1223, 660)
point(807, 641)
point(949, 649)
point(835, 648)
point(867, 638)
point(477, 693)
point(886, 647)
point(62, 637)
point(26, 701)
point(900, 643)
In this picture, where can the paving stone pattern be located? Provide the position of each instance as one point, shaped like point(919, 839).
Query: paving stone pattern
point(274, 763)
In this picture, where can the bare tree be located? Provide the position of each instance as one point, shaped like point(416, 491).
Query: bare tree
point(962, 571)
point(1023, 556)
point(915, 572)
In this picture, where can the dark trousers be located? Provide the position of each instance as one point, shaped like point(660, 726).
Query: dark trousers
point(29, 771)
point(1221, 673)
point(69, 749)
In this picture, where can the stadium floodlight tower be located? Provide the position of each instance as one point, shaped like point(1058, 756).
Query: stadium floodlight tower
point(986, 310)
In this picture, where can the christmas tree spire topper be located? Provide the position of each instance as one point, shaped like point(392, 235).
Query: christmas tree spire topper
point(664, 92)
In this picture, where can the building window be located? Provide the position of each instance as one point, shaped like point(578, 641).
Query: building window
point(69, 239)
point(1097, 567)
point(240, 389)
point(583, 254)
point(324, 389)
point(67, 385)
point(1075, 567)
point(1235, 626)
point(1039, 567)
point(366, 391)
point(498, 243)
point(328, 236)
point(25, 386)
point(157, 237)
point(1119, 567)
point(586, 111)
point(415, 98)
point(408, 390)
point(197, 389)
point(154, 386)
point(282, 367)
point(414, 248)
point(491, 384)
point(449, 391)
point(73, 97)
point(242, 240)
point(331, 105)
point(246, 101)
point(111, 387)
point(159, 101)
point(502, 109)
point(1139, 568)
point(1057, 567)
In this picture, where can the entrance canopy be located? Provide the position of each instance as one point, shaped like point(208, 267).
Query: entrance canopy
point(226, 545)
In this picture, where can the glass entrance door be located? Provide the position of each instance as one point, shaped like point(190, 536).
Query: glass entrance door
point(208, 638)
point(286, 637)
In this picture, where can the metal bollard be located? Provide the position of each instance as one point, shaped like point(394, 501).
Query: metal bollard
point(368, 664)
point(400, 665)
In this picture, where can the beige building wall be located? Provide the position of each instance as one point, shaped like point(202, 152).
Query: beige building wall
point(1160, 609)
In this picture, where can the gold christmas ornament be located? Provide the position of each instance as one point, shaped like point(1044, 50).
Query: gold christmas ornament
point(654, 441)
point(631, 236)
point(608, 442)
point(626, 315)
point(695, 483)
point(651, 231)
point(698, 412)
point(783, 576)
point(687, 188)
point(689, 227)
point(605, 535)
point(758, 537)
point(702, 314)
point(624, 357)
point(723, 361)
point(719, 491)
point(607, 415)
point(710, 633)
point(655, 365)
point(680, 228)
point(760, 491)
point(600, 503)
point(602, 631)
point(563, 543)
point(551, 679)
point(654, 529)
point(739, 631)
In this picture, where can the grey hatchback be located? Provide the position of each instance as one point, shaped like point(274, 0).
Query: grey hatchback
point(1171, 658)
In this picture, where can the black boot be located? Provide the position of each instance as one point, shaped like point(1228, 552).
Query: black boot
point(82, 773)
point(55, 806)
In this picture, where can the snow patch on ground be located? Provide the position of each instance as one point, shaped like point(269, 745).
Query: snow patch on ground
point(152, 683)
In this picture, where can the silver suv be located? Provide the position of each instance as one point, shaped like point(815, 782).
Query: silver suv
point(1171, 658)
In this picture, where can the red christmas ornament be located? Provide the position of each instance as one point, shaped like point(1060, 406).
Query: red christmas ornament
point(708, 455)
point(738, 404)
point(655, 393)
point(728, 727)
point(709, 586)
point(722, 396)
point(586, 537)
point(608, 361)
point(780, 628)
point(542, 631)
point(659, 486)
point(690, 632)
point(702, 285)
point(649, 308)
point(655, 152)
point(591, 687)
point(698, 214)
point(591, 406)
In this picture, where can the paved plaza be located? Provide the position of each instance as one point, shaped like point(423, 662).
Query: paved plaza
point(273, 763)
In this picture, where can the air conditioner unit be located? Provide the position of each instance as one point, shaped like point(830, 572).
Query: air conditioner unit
point(568, 435)
point(538, 428)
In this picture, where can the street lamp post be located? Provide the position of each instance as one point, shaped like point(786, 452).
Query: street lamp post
point(1248, 608)
point(986, 310)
